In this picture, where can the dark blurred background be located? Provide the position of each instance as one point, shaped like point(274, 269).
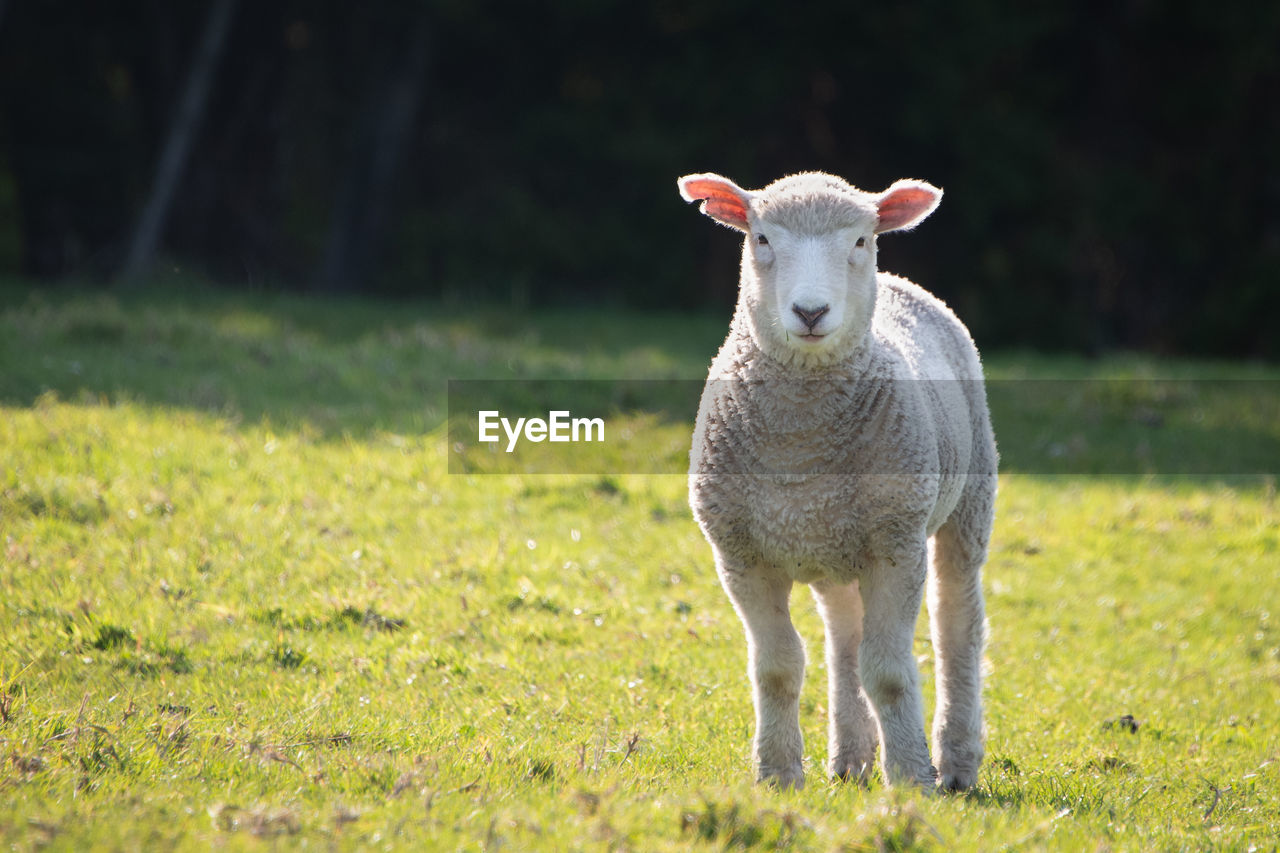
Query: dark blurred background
point(1112, 169)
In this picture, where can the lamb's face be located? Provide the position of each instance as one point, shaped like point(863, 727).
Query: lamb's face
point(816, 291)
point(809, 261)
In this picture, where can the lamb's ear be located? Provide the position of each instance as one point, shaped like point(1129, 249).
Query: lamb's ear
point(905, 204)
point(722, 199)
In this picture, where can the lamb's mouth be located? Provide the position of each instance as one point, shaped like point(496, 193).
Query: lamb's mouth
point(812, 337)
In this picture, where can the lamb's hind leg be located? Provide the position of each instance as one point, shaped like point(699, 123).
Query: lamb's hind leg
point(852, 742)
point(776, 667)
point(958, 626)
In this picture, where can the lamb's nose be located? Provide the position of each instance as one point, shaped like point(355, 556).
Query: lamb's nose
point(810, 317)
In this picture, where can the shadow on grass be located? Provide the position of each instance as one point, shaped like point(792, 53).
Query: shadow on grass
point(335, 366)
point(349, 367)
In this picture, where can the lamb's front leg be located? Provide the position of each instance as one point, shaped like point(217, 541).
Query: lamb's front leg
point(852, 742)
point(891, 595)
point(776, 667)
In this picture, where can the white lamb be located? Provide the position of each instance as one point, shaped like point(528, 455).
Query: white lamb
point(843, 441)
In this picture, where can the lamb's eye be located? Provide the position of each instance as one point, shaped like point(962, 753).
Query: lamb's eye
point(862, 241)
point(762, 240)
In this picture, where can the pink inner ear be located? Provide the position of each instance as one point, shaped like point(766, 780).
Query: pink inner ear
point(904, 206)
point(718, 201)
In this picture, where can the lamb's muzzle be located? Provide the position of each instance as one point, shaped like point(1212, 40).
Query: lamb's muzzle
point(811, 316)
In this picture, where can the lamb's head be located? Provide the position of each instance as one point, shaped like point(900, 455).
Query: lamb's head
point(809, 259)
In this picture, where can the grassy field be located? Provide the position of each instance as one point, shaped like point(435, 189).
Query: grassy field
point(244, 602)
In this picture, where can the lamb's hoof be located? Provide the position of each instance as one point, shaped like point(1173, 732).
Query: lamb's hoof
point(784, 779)
point(954, 780)
point(923, 779)
point(857, 773)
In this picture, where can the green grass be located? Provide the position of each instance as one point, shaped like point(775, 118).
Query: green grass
point(242, 601)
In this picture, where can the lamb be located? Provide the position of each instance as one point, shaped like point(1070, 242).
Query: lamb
point(843, 441)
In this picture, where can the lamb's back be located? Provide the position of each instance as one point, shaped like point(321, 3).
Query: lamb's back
point(931, 340)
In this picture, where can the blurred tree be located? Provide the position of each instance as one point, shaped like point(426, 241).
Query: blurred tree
point(173, 158)
point(382, 132)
